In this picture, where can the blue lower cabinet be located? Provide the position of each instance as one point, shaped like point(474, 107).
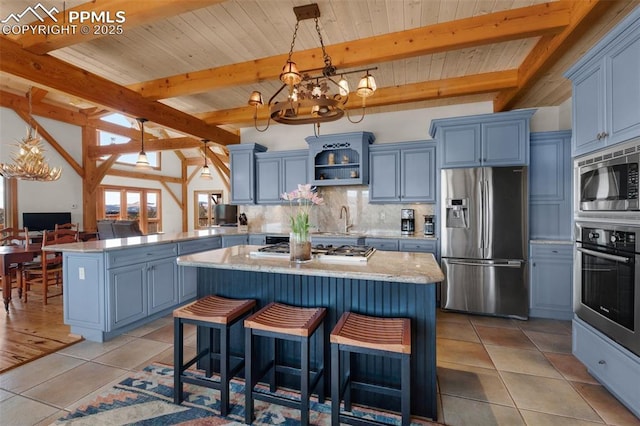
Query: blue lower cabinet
point(161, 284)
point(234, 240)
point(611, 364)
point(387, 244)
point(127, 295)
point(416, 245)
point(551, 281)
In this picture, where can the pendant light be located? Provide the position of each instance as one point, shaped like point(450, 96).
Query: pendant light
point(205, 173)
point(142, 161)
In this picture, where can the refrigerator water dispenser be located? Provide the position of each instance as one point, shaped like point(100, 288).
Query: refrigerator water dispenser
point(457, 213)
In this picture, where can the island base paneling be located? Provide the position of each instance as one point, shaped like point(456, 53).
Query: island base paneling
point(339, 295)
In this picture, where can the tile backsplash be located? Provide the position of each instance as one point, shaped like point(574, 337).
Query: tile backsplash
point(365, 217)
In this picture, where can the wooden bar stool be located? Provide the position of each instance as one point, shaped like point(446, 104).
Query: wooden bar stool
point(355, 333)
point(215, 313)
point(279, 321)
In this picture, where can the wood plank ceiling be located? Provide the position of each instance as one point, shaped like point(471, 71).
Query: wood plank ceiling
point(189, 66)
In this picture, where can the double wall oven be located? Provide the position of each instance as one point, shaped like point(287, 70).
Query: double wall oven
point(607, 268)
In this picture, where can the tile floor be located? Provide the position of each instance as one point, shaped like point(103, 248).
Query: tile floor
point(490, 372)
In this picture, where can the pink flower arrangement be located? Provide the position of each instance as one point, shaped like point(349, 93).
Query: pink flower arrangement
point(301, 200)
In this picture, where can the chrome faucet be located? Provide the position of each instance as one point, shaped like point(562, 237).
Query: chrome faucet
point(345, 209)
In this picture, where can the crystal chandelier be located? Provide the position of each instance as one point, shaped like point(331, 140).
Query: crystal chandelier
point(28, 161)
point(309, 98)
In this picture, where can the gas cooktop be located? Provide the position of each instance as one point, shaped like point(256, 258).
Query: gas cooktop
point(322, 252)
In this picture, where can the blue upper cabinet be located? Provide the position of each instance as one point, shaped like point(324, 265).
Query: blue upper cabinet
point(402, 172)
point(500, 139)
point(606, 89)
point(550, 171)
point(278, 172)
point(243, 181)
point(339, 159)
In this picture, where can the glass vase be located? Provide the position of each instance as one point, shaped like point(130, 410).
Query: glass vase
point(299, 247)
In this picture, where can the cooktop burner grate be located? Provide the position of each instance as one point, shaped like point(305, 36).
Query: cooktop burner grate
point(323, 250)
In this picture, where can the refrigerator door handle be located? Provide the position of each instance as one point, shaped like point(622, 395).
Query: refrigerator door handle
point(485, 218)
point(498, 264)
point(482, 207)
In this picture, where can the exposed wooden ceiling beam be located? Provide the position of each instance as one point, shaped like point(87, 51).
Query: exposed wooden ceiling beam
point(54, 73)
point(116, 129)
point(137, 13)
point(550, 48)
point(538, 20)
point(15, 102)
point(450, 87)
point(143, 175)
point(134, 146)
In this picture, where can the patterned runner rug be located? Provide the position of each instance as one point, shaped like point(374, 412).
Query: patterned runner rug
point(146, 398)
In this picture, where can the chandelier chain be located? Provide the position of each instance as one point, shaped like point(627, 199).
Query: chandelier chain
point(325, 55)
point(293, 40)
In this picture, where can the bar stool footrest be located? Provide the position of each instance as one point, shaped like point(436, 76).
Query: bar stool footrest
point(372, 387)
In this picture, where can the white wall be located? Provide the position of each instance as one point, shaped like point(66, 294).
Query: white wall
point(63, 195)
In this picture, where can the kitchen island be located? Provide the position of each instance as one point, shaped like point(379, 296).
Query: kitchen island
point(390, 284)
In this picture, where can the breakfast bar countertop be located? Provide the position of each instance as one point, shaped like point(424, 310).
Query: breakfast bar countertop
point(143, 240)
point(417, 268)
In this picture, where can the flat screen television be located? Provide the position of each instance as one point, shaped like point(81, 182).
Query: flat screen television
point(44, 221)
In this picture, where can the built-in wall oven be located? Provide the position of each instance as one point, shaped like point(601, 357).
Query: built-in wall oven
point(608, 280)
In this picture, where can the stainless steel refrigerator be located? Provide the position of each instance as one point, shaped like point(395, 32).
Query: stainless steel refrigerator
point(485, 233)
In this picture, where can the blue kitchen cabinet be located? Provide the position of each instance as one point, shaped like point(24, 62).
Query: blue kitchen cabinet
point(187, 276)
point(419, 245)
point(606, 89)
point(500, 139)
point(614, 366)
point(234, 240)
point(387, 244)
point(384, 169)
point(551, 281)
point(550, 207)
point(278, 172)
point(403, 172)
point(339, 159)
point(337, 241)
point(141, 282)
point(257, 239)
point(243, 180)
point(161, 282)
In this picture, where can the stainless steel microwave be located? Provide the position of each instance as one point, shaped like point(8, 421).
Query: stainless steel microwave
point(610, 184)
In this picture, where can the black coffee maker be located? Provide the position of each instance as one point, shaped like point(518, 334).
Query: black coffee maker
point(407, 221)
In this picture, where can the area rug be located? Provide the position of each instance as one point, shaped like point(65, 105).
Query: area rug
point(146, 398)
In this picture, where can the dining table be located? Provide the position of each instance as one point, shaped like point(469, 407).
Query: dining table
point(11, 255)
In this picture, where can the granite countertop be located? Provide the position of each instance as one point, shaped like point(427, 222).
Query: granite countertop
point(420, 268)
point(569, 242)
point(122, 243)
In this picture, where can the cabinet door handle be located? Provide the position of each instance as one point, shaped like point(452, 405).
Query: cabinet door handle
point(554, 251)
point(602, 362)
point(604, 135)
point(534, 264)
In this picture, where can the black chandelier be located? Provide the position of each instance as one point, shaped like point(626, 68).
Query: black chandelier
point(309, 99)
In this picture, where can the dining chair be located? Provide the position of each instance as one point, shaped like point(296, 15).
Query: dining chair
point(15, 237)
point(48, 271)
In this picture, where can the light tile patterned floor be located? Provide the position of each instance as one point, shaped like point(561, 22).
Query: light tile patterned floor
point(490, 372)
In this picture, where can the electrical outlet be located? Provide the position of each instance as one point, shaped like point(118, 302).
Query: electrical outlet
point(81, 273)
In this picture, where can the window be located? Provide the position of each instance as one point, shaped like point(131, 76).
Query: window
point(107, 138)
point(143, 205)
point(204, 207)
